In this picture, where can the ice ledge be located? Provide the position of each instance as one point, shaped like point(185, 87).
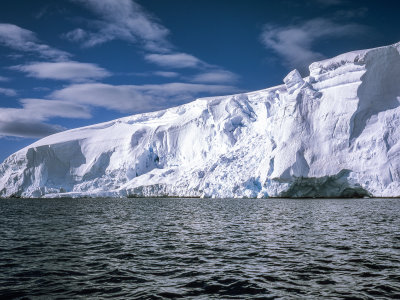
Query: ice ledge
point(293, 81)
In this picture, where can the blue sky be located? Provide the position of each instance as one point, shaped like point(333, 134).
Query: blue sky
point(72, 63)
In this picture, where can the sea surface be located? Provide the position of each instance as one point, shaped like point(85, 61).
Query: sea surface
point(200, 248)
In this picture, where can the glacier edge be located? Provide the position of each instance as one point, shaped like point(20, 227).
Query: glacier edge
point(335, 133)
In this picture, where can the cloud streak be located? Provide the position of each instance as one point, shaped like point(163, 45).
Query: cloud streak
point(8, 92)
point(128, 21)
point(166, 74)
point(27, 128)
point(175, 60)
point(20, 39)
point(68, 70)
point(294, 44)
point(44, 109)
point(30, 120)
point(124, 20)
point(136, 98)
point(216, 76)
point(76, 100)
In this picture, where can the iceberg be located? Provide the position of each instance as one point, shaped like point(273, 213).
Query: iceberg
point(335, 133)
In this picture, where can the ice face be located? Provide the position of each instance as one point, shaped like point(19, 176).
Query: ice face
point(333, 134)
point(293, 81)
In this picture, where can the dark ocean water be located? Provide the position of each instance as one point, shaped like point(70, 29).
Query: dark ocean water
point(200, 249)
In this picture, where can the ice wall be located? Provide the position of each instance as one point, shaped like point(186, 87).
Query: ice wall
point(333, 134)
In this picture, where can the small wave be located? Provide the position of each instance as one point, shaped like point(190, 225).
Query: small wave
point(223, 248)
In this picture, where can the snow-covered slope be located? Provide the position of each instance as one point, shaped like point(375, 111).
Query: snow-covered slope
point(335, 133)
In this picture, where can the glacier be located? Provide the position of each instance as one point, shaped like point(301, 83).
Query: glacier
point(334, 133)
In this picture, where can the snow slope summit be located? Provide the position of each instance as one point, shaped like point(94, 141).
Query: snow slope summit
point(335, 133)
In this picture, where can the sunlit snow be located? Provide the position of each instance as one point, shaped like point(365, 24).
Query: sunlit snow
point(334, 133)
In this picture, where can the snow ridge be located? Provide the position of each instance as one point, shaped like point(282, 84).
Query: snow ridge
point(333, 134)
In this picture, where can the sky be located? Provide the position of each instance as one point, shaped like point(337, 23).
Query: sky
point(71, 63)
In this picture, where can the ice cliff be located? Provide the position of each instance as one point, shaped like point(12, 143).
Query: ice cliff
point(335, 133)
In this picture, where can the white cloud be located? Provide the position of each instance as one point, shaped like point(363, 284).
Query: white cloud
point(216, 76)
point(175, 60)
point(44, 109)
point(166, 74)
point(2, 78)
point(136, 98)
point(68, 70)
point(295, 43)
point(29, 121)
point(8, 92)
point(41, 89)
point(76, 35)
point(178, 88)
point(122, 98)
point(124, 20)
point(21, 39)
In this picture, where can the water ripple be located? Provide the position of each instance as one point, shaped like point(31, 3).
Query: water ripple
point(199, 249)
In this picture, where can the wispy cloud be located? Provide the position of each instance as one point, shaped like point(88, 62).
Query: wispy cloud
point(136, 98)
point(21, 39)
point(8, 92)
point(45, 109)
point(124, 20)
point(216, 76)
point(68, 70)
point(79, 35)
point(294, 44)
point(75, 101)
point(25, 127)
point(30, 120)
point(348, 14)
point(175, 60)
point(166, 74)
point(2, 78)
